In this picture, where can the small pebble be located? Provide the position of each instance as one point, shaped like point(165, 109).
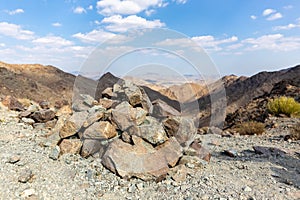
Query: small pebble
point(25, 176)
point(247, 189)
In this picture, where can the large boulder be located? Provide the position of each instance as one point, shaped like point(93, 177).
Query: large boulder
point(91, 147)
point(151, 130)
point(125, 116)
point(182, 128)
point(102, 130)
point(141, 160)
point(73, 124)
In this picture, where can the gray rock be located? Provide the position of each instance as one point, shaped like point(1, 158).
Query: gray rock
point(151, 130)
point(215, 130)
point(54, 154)
point(141, 159)
point(91, 147)
point(27, 120)
point(162, 110)
point(191, 162)
point(88, 100)
point(182, 128)
point(14, 159)
point(25, 176)
point(95, 114)
point(125, 116)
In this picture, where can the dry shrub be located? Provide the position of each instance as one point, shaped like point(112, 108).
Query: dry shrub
point(250, 128)
point(284, 105)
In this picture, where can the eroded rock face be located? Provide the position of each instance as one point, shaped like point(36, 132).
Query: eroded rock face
point(141, 159)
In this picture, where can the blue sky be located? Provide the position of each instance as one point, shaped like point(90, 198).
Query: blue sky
point(241, 37)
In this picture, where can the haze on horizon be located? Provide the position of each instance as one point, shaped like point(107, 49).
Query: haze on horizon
point(241, 38)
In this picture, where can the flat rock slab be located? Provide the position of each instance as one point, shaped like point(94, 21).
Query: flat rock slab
point(141, 160)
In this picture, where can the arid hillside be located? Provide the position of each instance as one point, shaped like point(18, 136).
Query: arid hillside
point(35, 82)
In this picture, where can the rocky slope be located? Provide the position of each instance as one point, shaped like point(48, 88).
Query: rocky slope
point(35, 82)
point(243, 91)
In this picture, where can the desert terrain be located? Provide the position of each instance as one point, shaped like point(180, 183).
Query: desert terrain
point(69, 137)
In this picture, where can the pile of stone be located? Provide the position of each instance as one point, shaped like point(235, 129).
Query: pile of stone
point(133, 136)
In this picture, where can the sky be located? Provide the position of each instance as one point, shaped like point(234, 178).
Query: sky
point(240, 37)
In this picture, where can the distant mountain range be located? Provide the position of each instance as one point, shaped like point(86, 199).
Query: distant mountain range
point(38, 82)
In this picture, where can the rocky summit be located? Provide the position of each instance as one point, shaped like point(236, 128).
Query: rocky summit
point(120, 140)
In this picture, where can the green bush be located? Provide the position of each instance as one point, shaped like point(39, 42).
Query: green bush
point(284, 105)
point(250, 128)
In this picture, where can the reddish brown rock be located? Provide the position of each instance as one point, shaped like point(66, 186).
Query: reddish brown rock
point(198, 150)
point(100, 131)
point(43, 115)
point(12, 103)
point(71, 146)
point(73, 124)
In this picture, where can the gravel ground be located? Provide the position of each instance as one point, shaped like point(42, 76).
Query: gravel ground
point(27, 172)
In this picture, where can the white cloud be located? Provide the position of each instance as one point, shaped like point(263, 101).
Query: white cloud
point(14, 12)
point(95, 36)
point(207, 42)
point(288, 7)
point(253, 17)
point(273, 42)
point(149, 12)
point(56, 24)
point(275, 16)
point(210, 43)
point(79, 10)
point(2, 45)
point(90, 7)
point(15, 31)
point(117, 23)
point(180, 1)
point(52, 41)
point(287, 27)
point(127, 7)
point(268, 11)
